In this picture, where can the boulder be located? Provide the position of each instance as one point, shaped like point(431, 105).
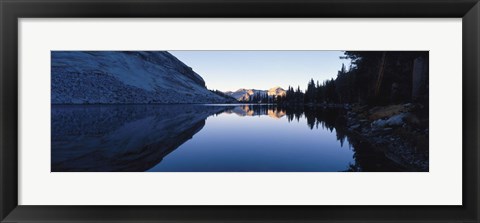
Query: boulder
point(388, 111)
point(396, 120)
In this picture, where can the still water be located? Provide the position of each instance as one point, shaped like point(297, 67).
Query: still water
point(206, 138)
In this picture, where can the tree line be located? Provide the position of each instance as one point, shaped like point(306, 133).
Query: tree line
point(373, 77)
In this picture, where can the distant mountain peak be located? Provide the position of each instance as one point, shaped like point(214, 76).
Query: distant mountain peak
point(244, 94)
point(277, 91)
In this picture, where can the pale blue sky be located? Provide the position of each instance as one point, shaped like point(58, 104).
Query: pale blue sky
point(231, 70)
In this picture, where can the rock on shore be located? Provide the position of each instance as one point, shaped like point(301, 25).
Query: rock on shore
point(400, 131)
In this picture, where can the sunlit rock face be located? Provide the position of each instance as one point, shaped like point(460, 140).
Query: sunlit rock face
point(244, 95)
point(124, 77)
point(121, 138)
point(276, 91)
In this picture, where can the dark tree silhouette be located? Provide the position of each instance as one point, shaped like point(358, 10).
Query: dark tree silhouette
point(374, 77)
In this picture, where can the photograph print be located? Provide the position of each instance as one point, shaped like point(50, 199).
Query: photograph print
point(240, 111)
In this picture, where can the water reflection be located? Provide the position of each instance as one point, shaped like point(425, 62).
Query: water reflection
point(218, 138)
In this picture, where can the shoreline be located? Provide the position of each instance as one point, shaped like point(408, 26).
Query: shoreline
point(398, 131)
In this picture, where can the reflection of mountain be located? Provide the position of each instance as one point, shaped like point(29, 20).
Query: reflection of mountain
point(121, 138)
point(256, 110)
point(125, 77)
point(276, 113)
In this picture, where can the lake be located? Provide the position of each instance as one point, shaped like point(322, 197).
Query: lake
point(207, 138)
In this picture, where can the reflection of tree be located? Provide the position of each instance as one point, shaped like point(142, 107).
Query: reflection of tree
point(331, 119)
point(137, 137)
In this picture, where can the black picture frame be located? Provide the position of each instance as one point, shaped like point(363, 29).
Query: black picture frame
point(12, 10)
